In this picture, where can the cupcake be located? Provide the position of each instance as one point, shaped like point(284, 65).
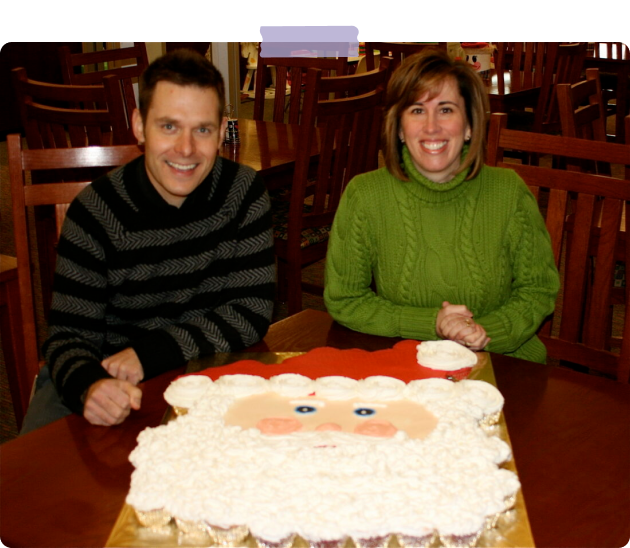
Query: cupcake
point(183, 392)
point(445, 359)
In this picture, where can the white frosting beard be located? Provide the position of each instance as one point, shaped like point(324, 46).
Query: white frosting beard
point(328, 485)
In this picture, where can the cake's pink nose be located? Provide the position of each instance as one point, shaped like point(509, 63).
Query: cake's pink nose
point(377, 428)
point(274, 426)
point(329, 427)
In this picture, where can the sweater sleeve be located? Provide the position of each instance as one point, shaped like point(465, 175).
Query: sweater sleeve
point(535, 282)
point(76, 323)
point(348, 292)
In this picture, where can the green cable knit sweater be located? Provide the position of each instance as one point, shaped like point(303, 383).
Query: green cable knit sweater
point(482, 243)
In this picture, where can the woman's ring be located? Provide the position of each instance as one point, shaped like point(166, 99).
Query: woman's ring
point(467, 322)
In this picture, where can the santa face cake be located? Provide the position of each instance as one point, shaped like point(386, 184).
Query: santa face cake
point(328, 459)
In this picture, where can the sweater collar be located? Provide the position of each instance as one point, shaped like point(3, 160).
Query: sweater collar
point(429, 190)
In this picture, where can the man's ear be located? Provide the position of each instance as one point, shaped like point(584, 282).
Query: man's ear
point(222, 130)
point(137, 126)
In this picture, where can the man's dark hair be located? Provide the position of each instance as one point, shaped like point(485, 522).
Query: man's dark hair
point(183, 67)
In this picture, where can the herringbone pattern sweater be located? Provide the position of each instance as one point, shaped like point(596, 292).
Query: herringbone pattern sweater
point(172, 283)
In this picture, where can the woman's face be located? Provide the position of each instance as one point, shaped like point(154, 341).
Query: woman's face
point(434, 130)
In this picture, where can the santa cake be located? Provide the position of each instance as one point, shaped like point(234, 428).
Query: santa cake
point(325, 459)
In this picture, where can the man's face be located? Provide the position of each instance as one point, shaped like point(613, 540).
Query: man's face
point(182, 134)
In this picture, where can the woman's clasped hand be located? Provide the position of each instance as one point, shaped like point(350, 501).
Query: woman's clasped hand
point(455, 322)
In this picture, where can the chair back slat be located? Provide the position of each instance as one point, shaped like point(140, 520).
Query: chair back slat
point(577, 257)
point(585, 216)
point(608, 234)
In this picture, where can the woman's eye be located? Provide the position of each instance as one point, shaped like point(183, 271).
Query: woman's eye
point(305, 409)
point(364, 411)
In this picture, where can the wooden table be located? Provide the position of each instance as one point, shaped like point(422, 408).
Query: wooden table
point(268, 147)
point(512, 95)
point(65, 484)
point(621, 68)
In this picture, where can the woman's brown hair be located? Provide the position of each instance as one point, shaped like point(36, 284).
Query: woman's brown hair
point(423, 73)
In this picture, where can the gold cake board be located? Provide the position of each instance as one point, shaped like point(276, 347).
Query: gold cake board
point(512, 530)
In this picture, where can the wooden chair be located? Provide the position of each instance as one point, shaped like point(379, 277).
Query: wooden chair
point(347, 132)
point(584, 213)
point(613, 61)
point(62, 116)
point(90, 68)
point(293, 68)
point(529, 67)
point(568, 70)
point(58, 194)
point(582, 114)
point(398, 51)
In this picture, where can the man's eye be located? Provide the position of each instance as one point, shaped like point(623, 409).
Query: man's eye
point(364, 411)
point(305, 409)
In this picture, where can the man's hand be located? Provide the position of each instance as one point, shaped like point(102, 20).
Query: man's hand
point(109, 401)
point(124, 366)
point(455, 323)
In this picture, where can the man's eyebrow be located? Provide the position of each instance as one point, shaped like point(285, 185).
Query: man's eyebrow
point(170, 120)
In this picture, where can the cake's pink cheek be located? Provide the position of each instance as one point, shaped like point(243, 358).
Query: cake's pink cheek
point(275, 426)
point(329, 427)
point(377, 428)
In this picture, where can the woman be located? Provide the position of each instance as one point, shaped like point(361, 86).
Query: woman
point(455, 249)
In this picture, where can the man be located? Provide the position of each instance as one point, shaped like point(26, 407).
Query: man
point(162, 260)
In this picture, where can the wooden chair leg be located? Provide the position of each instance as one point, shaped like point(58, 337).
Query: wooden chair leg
point(12, 338)
point(295, 289)
point(281, 281)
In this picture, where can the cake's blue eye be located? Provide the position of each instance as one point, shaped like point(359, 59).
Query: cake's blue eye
point(364, 411)
point(305, 409)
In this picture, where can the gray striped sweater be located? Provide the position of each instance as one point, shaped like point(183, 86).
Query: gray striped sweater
point(172, 283)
